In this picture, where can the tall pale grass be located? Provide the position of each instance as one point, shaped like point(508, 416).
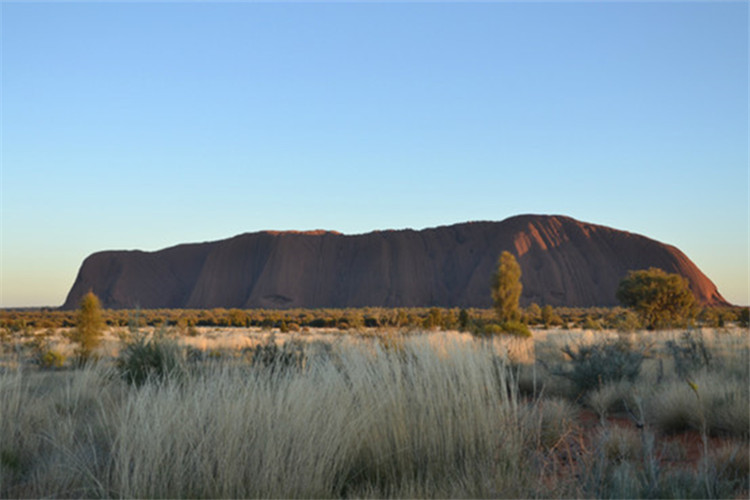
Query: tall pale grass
point(55, 432)
point(387, 415)
point(424, 419)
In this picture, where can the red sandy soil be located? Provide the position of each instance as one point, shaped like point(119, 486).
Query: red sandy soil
point(687, 447)
point(690, 440)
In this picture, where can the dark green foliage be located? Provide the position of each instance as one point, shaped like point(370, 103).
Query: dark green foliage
point(744, 317)
point(662, 300)
point(155, 358)
point(594, 365)
point(463, 319)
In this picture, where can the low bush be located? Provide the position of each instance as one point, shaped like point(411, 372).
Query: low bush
point(515, 328)
point(627, 321)
point(594, 365)
point(505, 328)
point(51, 359)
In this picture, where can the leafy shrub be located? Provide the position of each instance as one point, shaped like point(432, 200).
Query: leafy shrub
point(293, 327)
point(743, 318)
point(550, 317)
point(661, 299)
point(43, 354)
point(434, 319)
point(590, 323)
point(156, 358)
point(516, 328)
point(627, 321)
point(463, 319)
point(506, 328)
point(490, 329)
point(51, 359)
point(594, 365)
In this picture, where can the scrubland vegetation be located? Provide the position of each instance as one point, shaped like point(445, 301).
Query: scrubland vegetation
point(19, 321)
point(196, 411)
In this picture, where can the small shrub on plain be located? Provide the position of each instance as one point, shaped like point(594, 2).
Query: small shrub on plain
point(594, 365)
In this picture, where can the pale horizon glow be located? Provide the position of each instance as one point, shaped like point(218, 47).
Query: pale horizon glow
point(147, 125)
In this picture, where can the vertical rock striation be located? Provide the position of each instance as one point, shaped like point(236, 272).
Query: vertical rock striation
point(564, 262)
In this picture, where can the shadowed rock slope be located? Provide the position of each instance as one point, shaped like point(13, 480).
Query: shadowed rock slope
point(564, 262)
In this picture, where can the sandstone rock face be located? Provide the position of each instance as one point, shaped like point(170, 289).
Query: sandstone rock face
point(564, 263)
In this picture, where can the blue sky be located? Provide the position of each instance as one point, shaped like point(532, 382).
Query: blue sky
point(145, 125)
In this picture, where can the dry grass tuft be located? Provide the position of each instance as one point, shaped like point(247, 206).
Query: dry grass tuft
point(386, 414)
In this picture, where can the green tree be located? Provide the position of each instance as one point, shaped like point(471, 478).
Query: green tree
point(434, 319)
point(463, 319)
point(550, 317)
point(506, 288)
point(89, 325)
point(661, 299)
point(744, 317)
point(533, 314)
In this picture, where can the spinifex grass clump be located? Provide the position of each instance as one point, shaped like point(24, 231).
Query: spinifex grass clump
point(157, 357)
point(274, 357)
point(424, 415)
point(431, 420)
point(368, 423)
point(690, 353)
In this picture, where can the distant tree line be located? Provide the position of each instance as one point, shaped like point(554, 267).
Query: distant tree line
point(653, 299)
point(594, 318)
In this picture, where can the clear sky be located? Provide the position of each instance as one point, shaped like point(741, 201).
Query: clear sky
point(145, 125)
